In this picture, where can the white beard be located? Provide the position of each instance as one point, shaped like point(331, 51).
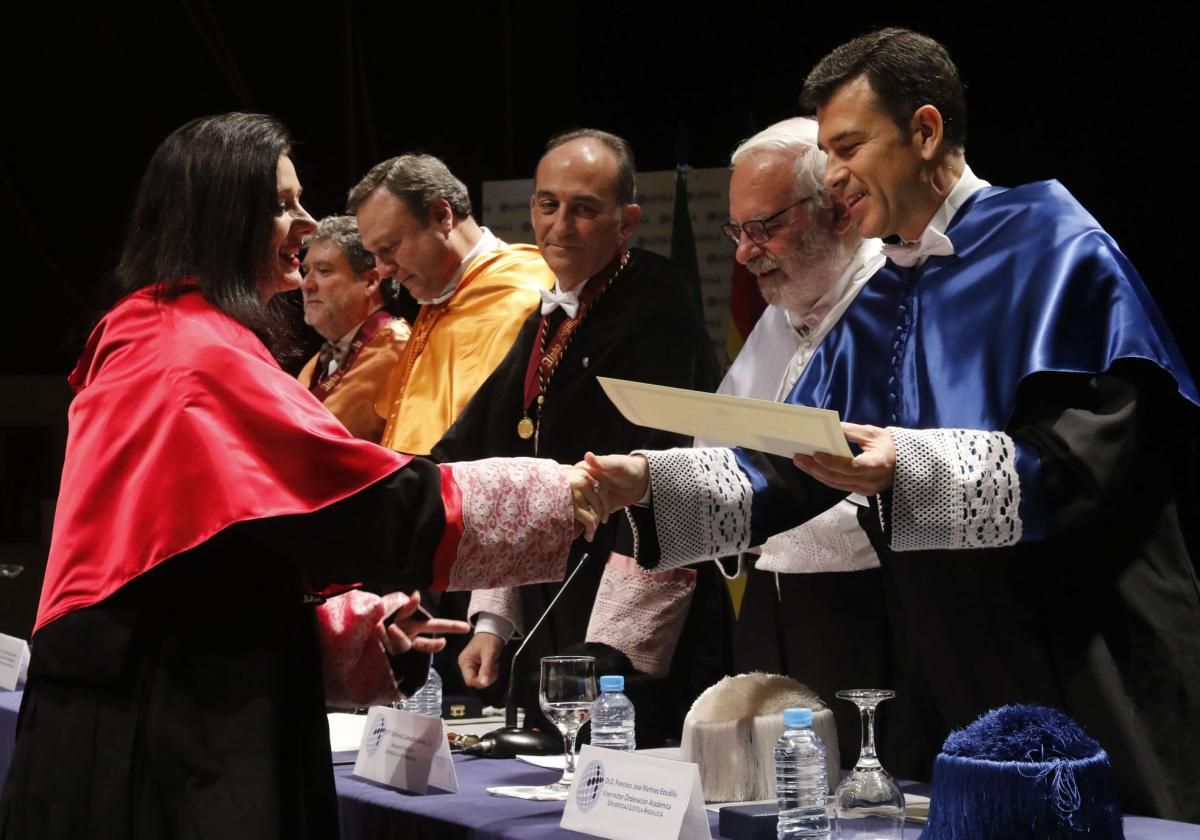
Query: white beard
point(809, 271)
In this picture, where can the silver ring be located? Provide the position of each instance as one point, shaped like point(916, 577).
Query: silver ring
point(596, 488)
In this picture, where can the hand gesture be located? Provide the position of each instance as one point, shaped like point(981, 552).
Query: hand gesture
point(407, 627)
point(480, 660)
point(870, 472)
point(591, 508)
point(623, 479)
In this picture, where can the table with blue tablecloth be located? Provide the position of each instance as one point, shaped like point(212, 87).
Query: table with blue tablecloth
point(373, 812)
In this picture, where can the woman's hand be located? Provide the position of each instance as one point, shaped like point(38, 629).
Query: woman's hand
point(623, 479)
point(591, 508)
point(408, 628)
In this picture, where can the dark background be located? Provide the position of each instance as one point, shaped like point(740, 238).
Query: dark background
point(1103, 102)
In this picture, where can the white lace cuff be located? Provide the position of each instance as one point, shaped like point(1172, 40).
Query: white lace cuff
point(831, 542)
point(954, 488)
point(701, 502)
point(641, 614)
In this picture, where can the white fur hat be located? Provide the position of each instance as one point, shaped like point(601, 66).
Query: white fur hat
point(732, 728)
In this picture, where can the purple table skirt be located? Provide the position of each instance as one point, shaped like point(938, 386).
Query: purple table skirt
point(372, 812)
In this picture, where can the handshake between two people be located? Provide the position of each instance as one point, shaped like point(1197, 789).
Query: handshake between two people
point(602, 484)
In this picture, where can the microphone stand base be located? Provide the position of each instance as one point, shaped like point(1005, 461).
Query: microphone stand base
point(511, 741)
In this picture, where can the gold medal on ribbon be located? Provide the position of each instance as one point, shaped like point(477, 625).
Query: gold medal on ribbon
point(525, 428)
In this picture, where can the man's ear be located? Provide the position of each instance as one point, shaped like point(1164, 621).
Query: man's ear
point(927, 131)
point(441, 216)
point(629, 219)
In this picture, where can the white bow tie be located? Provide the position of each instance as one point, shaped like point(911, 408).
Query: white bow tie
point(551, 300)
point(932, 243)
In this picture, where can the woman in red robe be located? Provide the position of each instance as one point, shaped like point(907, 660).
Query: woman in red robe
point(207, 502)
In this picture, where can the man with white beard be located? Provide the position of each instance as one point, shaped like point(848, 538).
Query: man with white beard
point(812, 607)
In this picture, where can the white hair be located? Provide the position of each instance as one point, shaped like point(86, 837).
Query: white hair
point(797, 137)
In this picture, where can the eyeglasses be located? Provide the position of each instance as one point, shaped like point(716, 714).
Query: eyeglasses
point(757, 229)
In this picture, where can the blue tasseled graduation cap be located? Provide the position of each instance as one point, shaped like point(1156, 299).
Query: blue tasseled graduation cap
point(1023, 771)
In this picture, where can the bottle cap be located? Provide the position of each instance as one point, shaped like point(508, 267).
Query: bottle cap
point(796, 717)
point(612, 683)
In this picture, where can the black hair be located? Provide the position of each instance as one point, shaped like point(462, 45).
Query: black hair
point(905, 69)
point(204, 215)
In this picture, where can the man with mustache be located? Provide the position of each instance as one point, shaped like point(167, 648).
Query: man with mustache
point(810, 264)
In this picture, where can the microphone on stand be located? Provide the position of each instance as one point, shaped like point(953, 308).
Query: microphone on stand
point(510, 740)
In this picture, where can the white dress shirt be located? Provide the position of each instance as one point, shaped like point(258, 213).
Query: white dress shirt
point(487, 242)
point(933, 241)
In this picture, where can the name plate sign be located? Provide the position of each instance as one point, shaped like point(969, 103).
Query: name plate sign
point(405, 751)
point(14, 659)
point(621, 795)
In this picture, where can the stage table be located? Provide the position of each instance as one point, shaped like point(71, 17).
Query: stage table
point(373, 812)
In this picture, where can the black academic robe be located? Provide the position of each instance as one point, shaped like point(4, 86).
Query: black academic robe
point(190, 703)
point(1036, 326)
point(643, 328)
point(175, 687)
point(1100, 618)
point(796, 624)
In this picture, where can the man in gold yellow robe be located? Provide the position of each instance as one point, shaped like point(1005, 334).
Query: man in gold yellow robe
point(475, 292)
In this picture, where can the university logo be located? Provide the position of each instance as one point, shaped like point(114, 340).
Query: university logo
point(590, 786)
point(376, 729)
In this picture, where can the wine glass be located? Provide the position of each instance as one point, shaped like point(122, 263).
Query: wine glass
point(566, 692)
point(868, 802)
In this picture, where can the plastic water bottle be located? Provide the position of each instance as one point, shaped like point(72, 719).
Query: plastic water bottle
point(427, 701)
point(613, 716)
point(800, 781)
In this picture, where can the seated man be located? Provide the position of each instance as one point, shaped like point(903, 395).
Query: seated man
point(620, 312)
point(474, 291)
point(344, 298)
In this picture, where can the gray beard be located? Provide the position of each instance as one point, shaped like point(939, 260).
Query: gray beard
point(808, 274)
